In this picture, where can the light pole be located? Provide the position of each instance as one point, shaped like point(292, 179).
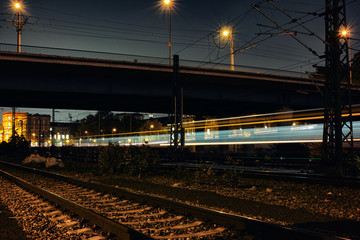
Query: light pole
point(168, 4)
point(229, 32)
point(19, 26)
point(346, 35)
point(113, 132)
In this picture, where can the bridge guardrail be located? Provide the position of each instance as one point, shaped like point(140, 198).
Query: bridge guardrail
point(52, 51)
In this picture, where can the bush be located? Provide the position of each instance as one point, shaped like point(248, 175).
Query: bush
point(352, 166)
point(133, 160)
point(204, 175)
point(230, 178)
point(17, 146)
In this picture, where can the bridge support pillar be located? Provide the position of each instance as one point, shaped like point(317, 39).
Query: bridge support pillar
point(177, 135)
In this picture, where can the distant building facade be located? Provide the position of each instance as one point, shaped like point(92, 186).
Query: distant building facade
point(1, 132)
point(33, 127)
point(61, 133)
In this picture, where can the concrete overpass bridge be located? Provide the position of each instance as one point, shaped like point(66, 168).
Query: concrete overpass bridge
point(47, 81)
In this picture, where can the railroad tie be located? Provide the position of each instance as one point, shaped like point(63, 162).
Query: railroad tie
point(177, 227)
point(191, 235)
point(60, 218)
point(130, 211)
point(53, 213)
point(46, 209)
point(142, 215)
point(171, 219)
point(97, 238)
point(68, 223)
point(86, 230)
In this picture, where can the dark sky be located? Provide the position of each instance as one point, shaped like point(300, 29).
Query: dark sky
point(140, 27)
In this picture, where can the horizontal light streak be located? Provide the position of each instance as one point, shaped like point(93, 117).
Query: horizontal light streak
point(247, 143)
point(267, 121)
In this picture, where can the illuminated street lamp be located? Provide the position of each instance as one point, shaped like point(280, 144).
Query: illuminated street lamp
point(168, 3)
point(228, 32)
point(19, 26)
point(345, 34)
point(113, 132)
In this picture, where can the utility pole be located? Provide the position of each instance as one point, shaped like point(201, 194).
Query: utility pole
point(53, 128)
point(177, 126)
point(338, 129)
point(13, 130)
point(18, 30)
point(40, 137)
point(99, 122)
point(170, 35)
point(19, 25)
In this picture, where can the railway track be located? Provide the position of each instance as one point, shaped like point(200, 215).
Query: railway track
point(41, 215)
point(347, 181)
point(128, 215)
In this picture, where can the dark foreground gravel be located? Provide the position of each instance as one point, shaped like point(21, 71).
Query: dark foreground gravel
point(327, 209)
point(9, 228)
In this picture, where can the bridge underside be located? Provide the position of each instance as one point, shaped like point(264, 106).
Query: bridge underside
point(144, 89)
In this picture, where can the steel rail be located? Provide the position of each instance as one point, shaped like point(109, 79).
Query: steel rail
point(346, 181)
point(267, 230)
point(107, 225)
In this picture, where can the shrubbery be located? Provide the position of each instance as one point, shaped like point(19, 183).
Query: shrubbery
point(132, 160)
point(352, 166)
point(17, 146)
point(204, 175)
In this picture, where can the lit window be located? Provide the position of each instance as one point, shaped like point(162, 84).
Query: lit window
point(63, 136)
point(67, 136)
point(208, 131)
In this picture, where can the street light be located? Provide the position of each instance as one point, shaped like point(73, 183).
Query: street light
point(113, 132)
point(168, 3)
point(228, 32)
point(345, 34)
point(19, 26)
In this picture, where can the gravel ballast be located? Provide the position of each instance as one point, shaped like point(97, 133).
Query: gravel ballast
point(328, 209)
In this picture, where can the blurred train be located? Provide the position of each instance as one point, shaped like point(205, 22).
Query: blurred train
point(304, 126)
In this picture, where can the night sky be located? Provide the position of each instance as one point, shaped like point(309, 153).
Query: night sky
point(141, 28)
